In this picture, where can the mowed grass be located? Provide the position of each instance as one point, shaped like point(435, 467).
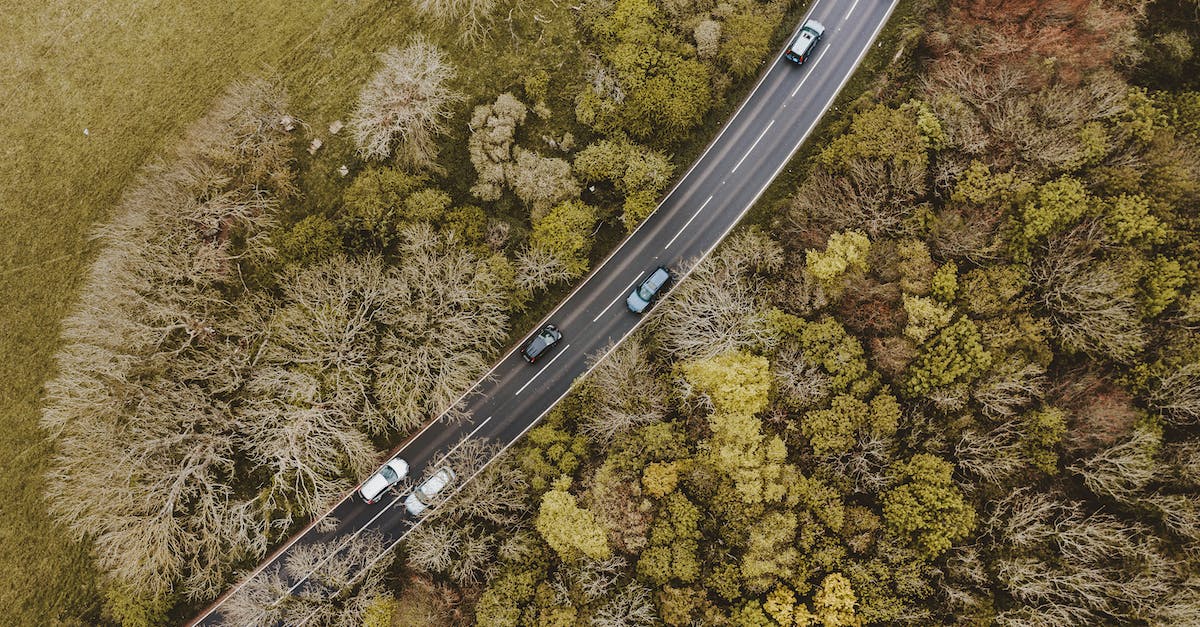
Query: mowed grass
point(135, 74)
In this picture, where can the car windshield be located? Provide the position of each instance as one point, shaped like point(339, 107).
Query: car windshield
point(646, 291)
point(388, 474)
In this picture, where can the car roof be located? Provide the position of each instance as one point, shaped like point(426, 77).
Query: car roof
point(660, 275)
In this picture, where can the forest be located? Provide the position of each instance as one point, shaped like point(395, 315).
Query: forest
point(947, 374)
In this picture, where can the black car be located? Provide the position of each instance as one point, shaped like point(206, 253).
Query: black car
point(540, 344)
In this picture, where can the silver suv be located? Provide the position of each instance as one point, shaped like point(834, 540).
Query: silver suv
point(422, 497)
point(804, 44)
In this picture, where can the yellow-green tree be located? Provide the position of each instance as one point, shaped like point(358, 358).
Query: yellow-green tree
point(846, 252)
point(569, 529)
point(924, 506)
point(565, 232)
point(834, 601)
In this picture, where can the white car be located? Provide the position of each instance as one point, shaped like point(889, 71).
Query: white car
point(420, 499)
point(389, 475)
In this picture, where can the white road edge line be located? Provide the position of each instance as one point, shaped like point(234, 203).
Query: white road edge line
point(677, 282)
point(543, 369)
point(619, 295)
point(752, 147)
point(728, 125)
point(688, 223)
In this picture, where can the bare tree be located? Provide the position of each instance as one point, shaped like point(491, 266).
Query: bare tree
point(1093, 310)
point(626, 391)
point(629, 607)
point(154, 351)
point(994, 456)
point(540, 182)
point(1122, 472)
point(1179, 512)
point(539, 268)
point(803, 385)
point(342, 579)
point(474, 16)
point(873, 196)
point(443, 320)
point(1010, 388)
point(404, 104)
point(718, 307)
point(1177, 395)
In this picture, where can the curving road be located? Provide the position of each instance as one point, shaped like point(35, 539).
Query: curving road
point(751, 150)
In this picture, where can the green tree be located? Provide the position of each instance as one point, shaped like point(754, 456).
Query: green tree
point(311, 240)
point(381, 612)
point(569, 529)
point(674, 543)
point(666, 90)
point(879, 133)
point(924, 506)
point(129, 608)
point(944, 284)
point(500, 604)
point(566, 233)
point(839, 354)
point(979, 186)
point(831, 431)
point(771, 554)
point(1131, 221)
point(736, 381)
point(660, 478)
point(549, 453)
point(916, 267)
point(1159, 285)
point(372, 207)
point(468, 221)
point(1055, 206)
point(925, 317)
point(746, 38)
point(638, 172)
point(834, 601)
point(955, 356)
point(1041, 433)
point(1141, 118)
point(845, 252)
point(426, 205)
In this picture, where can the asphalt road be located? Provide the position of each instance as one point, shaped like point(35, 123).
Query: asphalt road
point(751, 150)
